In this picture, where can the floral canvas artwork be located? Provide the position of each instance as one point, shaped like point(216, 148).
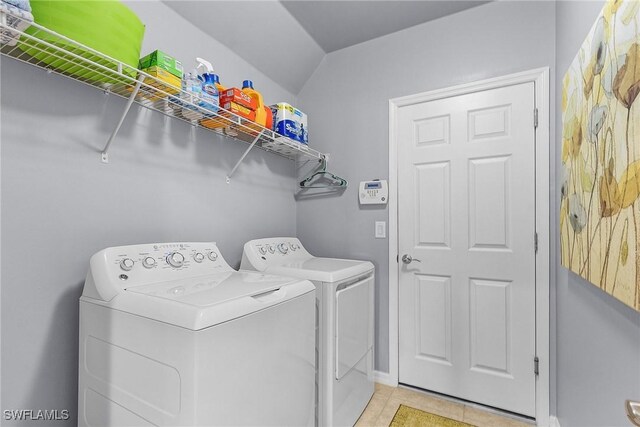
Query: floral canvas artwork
point(600, 193)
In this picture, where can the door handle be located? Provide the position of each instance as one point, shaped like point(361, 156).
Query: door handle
point(633, 412)
point(407, 259)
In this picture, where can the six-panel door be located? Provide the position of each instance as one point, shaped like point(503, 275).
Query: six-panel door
point(466, 210)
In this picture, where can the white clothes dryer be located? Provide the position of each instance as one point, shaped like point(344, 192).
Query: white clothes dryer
point(171, 335)
point(344, 292)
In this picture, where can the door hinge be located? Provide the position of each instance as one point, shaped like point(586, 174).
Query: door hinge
point(536, 366)
point(535, 241)
point(535, 118)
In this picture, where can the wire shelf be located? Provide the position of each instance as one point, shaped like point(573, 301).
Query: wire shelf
point(43, 48)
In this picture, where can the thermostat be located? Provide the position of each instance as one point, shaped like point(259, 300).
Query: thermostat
point(374, 192)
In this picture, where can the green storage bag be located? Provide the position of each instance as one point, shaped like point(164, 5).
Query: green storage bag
point(108, 27)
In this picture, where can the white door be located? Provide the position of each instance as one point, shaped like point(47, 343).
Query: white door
point(466, 211)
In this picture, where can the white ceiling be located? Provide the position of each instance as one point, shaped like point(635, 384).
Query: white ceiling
point(335, 25)
point(287, 40)
point(261, 32)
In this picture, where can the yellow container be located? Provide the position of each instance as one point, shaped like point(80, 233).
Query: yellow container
point(261, 112)
point(171, 87)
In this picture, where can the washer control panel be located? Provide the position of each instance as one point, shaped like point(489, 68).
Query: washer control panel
point(274, 251)
point(285, 246)
point(156, 262)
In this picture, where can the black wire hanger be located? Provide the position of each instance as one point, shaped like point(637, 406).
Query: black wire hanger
point(334, 180)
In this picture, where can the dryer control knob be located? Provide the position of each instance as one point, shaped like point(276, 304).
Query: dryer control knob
point(198, 257)
point(263, 250)
point(293, 246)
point(149, 262)
point(272, 249)
point(175, 259)
point(126, 264)
point(213, 256)
point(283, 248)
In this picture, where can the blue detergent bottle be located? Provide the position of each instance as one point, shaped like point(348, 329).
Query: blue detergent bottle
point(210, 94)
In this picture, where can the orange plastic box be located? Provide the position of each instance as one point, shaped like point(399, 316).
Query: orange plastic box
point(239, 110)
point(237, 96)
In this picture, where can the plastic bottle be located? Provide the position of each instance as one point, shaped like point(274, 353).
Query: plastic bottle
point(219, 125)
point(191, 94)
point(210, 94)
point(269, 118)
point(261, 112)
point(216, 81)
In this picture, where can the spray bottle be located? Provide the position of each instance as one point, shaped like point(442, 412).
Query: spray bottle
point(210, 95)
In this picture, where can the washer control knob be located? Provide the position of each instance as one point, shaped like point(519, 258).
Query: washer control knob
point(198, 257)
point(149, 262)
point(293, 246)
point(175, 259)
point(126, 264)
point(272, 249)
point(283, 248)
point(263, 250)
point(213, 255)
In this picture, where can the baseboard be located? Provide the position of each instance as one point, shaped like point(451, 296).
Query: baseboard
point(384, 378)
point(554, 422)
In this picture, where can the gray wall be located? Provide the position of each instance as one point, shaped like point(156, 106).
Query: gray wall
point(60, 204)
point(598, 337)
point(347, 102)
point(166, 182)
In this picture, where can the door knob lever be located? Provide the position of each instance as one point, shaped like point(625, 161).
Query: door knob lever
point(408, 259)
point(633, 411)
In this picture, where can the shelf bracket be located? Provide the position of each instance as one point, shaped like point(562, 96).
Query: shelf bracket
point(243, 156)
point(132, 97)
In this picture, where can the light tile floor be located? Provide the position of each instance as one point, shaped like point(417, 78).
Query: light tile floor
point(386, 400)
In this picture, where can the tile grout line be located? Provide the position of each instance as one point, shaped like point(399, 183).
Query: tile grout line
point(392, 397)
point(386, 401)
point(381, 395)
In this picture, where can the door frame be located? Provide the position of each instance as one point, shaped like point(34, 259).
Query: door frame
point(540, 78)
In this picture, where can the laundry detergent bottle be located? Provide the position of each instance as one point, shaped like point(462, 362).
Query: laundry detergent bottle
point(210, 94)
point(216, 81)
point(261, 112)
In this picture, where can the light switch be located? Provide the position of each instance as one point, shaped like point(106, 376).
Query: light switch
point(381, 230)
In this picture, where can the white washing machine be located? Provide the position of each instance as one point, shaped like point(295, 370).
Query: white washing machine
point(344, 291)
point(171, 335)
